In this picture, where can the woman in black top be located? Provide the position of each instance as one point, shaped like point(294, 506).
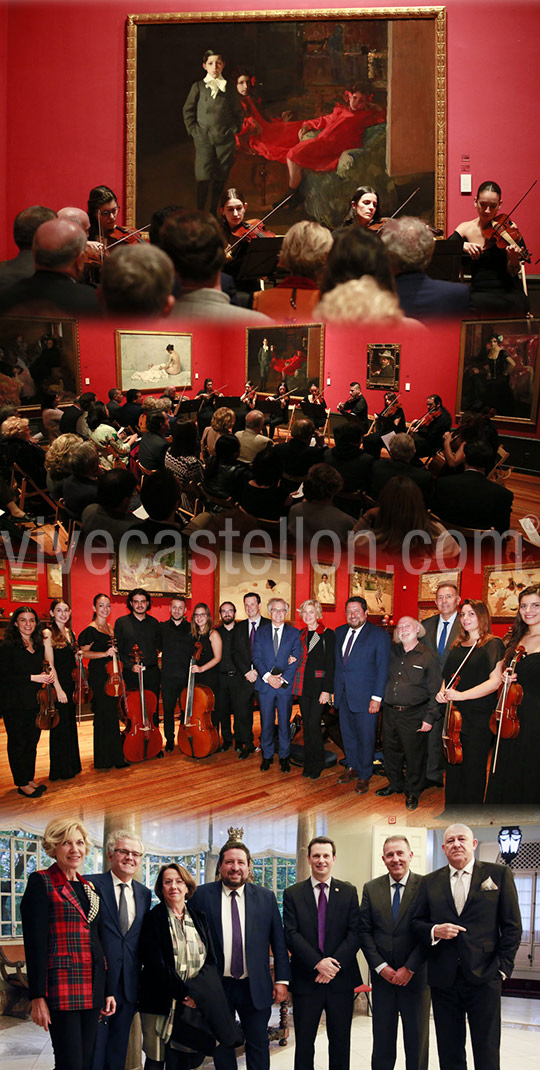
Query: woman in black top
point(207, 646)
point(96, 642)
point(65, 761)
point(21, 667)
point(314, 683)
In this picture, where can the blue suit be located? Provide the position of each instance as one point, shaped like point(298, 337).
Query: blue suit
point(364, 675)
point(424, 298)
point(122, 954)
point(251, 997)
point(264, 660)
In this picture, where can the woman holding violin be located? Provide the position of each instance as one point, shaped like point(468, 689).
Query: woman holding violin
point(21, 665)
point(59, 644)
point(495, 251)
point(96, 643)
point(207, 647)
point(465, 782)
point(238, 232)
point(364, 209)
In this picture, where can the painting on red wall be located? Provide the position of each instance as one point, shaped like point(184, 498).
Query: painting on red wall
point(306, 100)
point(40, 356)
point(499, 369)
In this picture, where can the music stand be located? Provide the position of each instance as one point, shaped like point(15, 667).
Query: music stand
point(261, 258)
point(446, 261)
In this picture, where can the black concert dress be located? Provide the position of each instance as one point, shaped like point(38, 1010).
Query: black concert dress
point(210, 678)
point(466, 783)
point(107, 739)
point(516, 779)
point(20, 708)
point(64, 756)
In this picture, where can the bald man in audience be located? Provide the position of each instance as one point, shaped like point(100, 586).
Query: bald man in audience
point(252, 441)
point(59, 251)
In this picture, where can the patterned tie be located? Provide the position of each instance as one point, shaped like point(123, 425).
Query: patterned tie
point(252, 637)
point(459, 892)
point(237, 954)
point(123, 918)
point(347, 651)
point(321, 910)
point(442, 640)
point(276, 642)
point(396, 901)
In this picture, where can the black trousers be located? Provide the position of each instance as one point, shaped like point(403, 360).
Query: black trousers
point(226, 700)
point(311, 711)
point(244, 699)
point(307, 1011)
point(390, 1002)
point(22, 741)
point(481, 1006)
point(254, 1023)
point(403, 743)
point(171, 689)
point(73, 1036)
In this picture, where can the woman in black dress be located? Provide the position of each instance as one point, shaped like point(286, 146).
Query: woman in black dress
point(21, 668)
point(207, 647)
point(96, 643)
point(465, 783)
point(314, 683)
point(59, 641)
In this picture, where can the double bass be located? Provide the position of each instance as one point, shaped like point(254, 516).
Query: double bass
point(143, 738)
point(504, 721)
point(48, 716)
point(197, 736)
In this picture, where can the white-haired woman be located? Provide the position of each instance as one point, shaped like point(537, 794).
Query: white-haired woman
point(67, 970)
point(314, 682)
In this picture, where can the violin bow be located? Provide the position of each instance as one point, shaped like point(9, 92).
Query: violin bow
point(130, 235)
point(263, 220)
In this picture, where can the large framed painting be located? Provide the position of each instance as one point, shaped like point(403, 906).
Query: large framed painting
point(499, 369)
point(152, 360)
point(337, 98)
point(42, 354)
point(377, 587)
point(162, 569)
point(429, 581)
point(323, 583)
point(293, 355)
point(240, 574)
point(503, 585)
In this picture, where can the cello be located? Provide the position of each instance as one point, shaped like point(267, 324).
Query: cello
point(48, 716)
point(143, 738)
point(197, 736)
point(504, 721)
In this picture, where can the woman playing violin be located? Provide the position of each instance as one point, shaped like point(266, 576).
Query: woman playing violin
point(231, 213)
point(96, 642)
point(495, 283)
point(59, 642)
point(466, 782)
point(21, 668)
point(207, 648)
point(364, 209)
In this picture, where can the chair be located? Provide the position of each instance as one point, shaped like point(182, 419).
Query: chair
point(66, 519)
point(495, 473)
point(271, 526)
point(352, 502)
point(142, 471)
point(35, 491)
point(222, 503)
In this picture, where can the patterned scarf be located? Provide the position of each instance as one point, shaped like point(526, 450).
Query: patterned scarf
point(307, 646)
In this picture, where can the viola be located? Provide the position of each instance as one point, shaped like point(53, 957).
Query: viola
point(504, 721)
point(82, 691)
point(503, 232)
point(142, 739)
point(48, 716)
point(115, 685)
point(424, 420)
point(197, 736)
point(451, 733)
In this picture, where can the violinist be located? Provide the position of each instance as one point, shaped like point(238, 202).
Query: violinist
point(465, 782)
point(428, 431)
point(280, 409)
point(249, 397)
point(495, 265)
point(21, 666)
point(59, 643)
point(207, 647)
point(208, 397)
point(355, 405)
point(231, 213)
point(103, 209)
point(364, 208)
point(390, 419)
point(317, 405)
point(176, 649)
point(96, 642)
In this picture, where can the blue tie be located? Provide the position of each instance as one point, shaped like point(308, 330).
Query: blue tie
point(442, 641)
point(396, 902)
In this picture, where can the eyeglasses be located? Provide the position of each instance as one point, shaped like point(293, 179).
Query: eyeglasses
point(107, 213)
point(126, 854)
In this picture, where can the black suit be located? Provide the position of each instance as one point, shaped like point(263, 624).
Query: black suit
point(435, 764)
point(465, 972)
point(384, 941)
point(297, 457)
point(176, 651)
point(310, 998)
point(47, 292)
point(384, 469)
point(471, 500)
point(242, 657)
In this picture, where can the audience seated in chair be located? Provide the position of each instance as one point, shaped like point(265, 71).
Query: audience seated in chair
point(112, 515)
point(80, 488)
point(317, 514)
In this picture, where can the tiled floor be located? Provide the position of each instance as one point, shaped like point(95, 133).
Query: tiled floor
point(23, 1046)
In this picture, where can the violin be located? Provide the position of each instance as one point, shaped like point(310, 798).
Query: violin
point(142, 739)
point(115, 685)
point(451, 733)
point(504, 721)
point(197, 736)
point(96, 251)
point(424, 420)
point(82, 691)
point(48, 716)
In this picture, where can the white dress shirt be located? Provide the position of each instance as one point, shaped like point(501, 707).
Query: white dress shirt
point(226, 924)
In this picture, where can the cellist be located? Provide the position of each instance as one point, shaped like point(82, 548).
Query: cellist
point(138, 628)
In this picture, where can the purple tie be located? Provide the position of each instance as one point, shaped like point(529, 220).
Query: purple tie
point(252, 636)
point(322, 908)
point(348, 647)
point(237, 954)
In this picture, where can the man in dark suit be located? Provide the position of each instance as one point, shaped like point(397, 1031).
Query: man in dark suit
point(411, 244)
point(124, 902)
point(362, 657)
point(441, 630)
point(59, 249)
point(176, 644)
point(321, 921)
point(243, 641)
point(356, 406)
point(244, 923)
point(24, 227)
point(396, 961)
point(402, 451)
point(296, 455)
point(276, 651)
point(468, 917)
point(469, 498)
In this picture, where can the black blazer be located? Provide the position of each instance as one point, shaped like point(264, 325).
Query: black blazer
point(471, 500)
point(491, 918)
point(319, 667)
point(430, 639)
point(381, 939)
point(241, 646)
point(342, 935)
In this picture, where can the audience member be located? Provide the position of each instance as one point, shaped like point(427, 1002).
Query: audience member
point(24, 227)
point(59, 461)
point(80, 487)
point(160, 497)
point(19, 448)
point(58, 248)
point(303, 256)
point(353, 465)
point(222, 423)
point(225, 475)
point(74, 417)
point(182, 459)
point(251, 440)
point(400, 521)
point(137, 280)
point(130, 413)
point(297, 455)
point(262, 496)
point(410, 244)
point(402, 451)
point(153, 444)
point(317, 514)
point(111, 514)
point(469, 498)
point(101, 431)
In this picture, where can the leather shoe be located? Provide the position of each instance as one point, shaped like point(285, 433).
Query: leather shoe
point(169, 746)
point(362, 787)
point(411, 802)
point(245, 750)
point(284, 765)
point(265, 764)
point(35, 794)
point(346, 777)
point(384, 792)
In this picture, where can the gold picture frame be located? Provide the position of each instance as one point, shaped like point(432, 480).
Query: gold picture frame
point(163, 569)
point(141, 358)
point(376, 586)
point(267, 575)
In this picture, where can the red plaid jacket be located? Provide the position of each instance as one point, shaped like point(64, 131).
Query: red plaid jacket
point(58, 943)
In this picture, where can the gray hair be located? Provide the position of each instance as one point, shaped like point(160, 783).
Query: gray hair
point(409, 242)
point(121, 834)
point(402, 447)
point(272, 602)
point(311, 602)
